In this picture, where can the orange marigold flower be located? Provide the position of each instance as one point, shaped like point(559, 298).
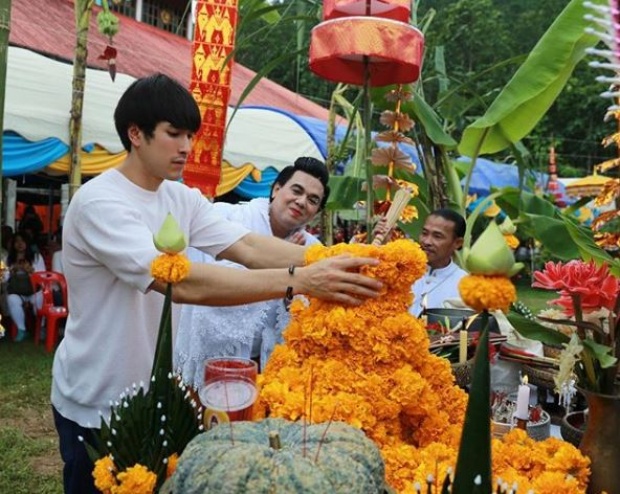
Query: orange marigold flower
point(487, 292)
point(172, 464)
point(170, 268)
point(136, 480)
point(103, 473)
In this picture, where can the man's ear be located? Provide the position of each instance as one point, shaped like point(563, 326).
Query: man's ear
point(459, 243)
point(275, 189)
point(133, 132)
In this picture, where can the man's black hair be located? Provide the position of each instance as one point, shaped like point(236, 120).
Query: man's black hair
point(305, 164)
point(154, 99)
point(453, 217)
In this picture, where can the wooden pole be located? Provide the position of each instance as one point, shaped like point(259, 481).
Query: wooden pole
point(83, 9)
point(5, 28)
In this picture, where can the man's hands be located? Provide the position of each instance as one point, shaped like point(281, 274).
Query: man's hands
point(336, 279)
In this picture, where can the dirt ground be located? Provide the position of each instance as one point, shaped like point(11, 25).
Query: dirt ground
point(39, 425)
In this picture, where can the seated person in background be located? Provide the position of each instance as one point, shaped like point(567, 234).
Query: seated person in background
point(441, 236)
point(251, 330)
point(21, 263)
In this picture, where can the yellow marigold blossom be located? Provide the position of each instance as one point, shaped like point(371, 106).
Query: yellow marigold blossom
point(370, 366)
point(487, 292)
point(409, 214)
point(172, 464)
point(511, 241)
point(136, 480)
point(170, 268)
point(103, 473)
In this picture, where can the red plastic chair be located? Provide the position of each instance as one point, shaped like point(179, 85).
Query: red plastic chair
point(46, 281)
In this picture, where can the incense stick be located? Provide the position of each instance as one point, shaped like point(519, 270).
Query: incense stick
point(401, 199)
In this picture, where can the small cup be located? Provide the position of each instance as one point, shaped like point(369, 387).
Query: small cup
point(229, 390)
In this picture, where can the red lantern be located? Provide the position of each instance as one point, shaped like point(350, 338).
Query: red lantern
point(397, 10)
point(341, 48)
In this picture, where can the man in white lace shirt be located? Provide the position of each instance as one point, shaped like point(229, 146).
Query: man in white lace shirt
point(251, 330)
point(442, 235)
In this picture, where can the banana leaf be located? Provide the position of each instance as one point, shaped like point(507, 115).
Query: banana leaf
point(535, 86)
point(534, 331)
point(474, 457)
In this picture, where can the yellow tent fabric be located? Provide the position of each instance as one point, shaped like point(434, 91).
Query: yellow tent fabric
point(231, 176)
point(99, 160)
point(93, 163)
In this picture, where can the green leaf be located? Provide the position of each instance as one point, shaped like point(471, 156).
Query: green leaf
point(344, 192)
point(534, 331)
point(600, 353)
point(427, 118)
point(474, 457)
point(535, 86)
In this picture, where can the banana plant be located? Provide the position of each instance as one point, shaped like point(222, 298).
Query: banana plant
point(517, 109)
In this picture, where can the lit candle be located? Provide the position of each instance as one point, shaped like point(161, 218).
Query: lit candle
point(523, 400)
point(462, 345)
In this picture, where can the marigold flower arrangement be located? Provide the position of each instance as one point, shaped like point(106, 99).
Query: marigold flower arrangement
point(137, 449)
point(370, 366)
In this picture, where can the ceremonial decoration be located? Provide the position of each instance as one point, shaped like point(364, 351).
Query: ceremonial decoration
point(214, 41)
point(370, 367)
point(138, 447)
point(490, 263)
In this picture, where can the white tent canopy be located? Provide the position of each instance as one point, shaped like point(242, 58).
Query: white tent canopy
point(38, 102)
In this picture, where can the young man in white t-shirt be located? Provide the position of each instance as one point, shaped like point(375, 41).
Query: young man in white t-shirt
point(114, 303)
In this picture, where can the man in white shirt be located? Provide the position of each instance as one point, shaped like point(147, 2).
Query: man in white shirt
point(442, 235)
point(114, 302)
point(299, 192)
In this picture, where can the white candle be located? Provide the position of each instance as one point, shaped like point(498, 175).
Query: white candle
point(523, 401)
point(462, 346)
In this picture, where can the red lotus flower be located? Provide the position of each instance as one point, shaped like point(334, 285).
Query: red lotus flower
point(593, 287)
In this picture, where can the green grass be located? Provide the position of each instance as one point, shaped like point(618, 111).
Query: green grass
point(534, 298)
point(29, 457)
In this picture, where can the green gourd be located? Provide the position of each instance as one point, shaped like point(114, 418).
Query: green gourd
point(277, 456)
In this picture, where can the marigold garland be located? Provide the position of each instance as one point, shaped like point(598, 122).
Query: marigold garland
point(487, 292)
point(170, 268)
point(370, 366)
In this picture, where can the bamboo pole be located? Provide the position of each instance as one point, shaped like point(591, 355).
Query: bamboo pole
point(5, 28)
point(83, 10)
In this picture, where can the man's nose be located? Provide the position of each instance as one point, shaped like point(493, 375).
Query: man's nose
point(186, 144)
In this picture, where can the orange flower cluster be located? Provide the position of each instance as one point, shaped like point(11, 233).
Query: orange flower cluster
point(545, 467)
point(368, 366)
point(487, 292)
point(170, 268)
point(135, 480)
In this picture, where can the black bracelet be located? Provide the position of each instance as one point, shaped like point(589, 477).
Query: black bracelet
point(289, 293)
point(289, 289)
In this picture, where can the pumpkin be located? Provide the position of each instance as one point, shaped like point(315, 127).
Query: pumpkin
point(278, 456)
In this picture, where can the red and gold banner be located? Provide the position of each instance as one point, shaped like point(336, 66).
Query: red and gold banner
point(214, 40)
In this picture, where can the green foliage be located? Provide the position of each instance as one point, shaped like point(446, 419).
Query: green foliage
point(474, 457)
point(534, 87)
